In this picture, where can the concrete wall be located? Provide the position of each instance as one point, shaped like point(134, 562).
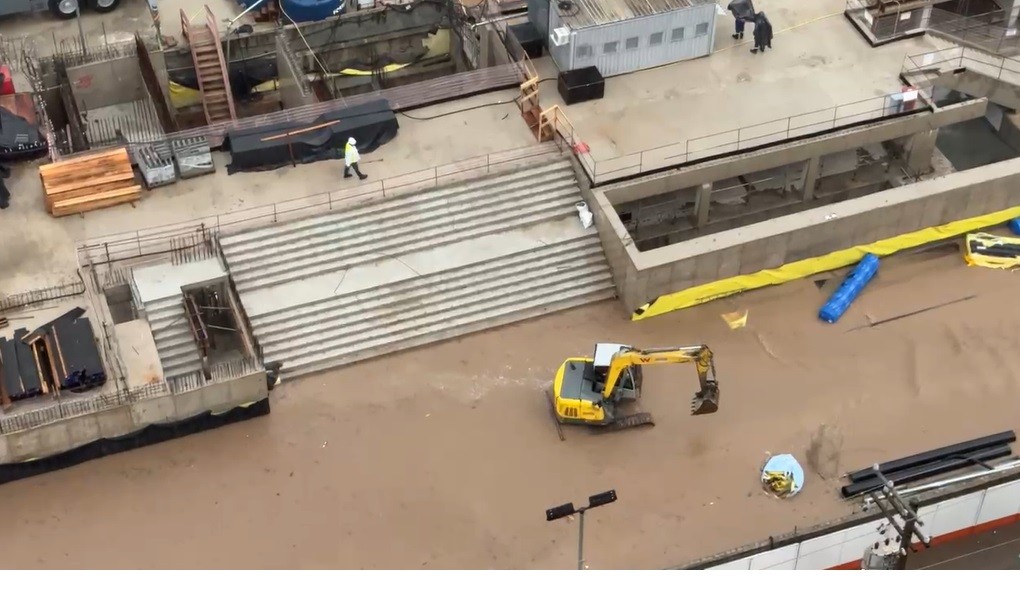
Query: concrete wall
point(294, 90)
point(642, 276)
point(74, 432)
point(107, 83)
point(790, 152)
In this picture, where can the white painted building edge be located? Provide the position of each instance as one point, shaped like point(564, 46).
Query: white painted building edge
point(847, 546)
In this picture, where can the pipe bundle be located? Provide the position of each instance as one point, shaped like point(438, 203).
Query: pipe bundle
point(930, 463)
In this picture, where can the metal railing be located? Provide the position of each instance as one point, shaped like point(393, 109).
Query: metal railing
point(937, 62)
point(988, 31)
point(161, 239)
point(71, 406)
point(749, 136)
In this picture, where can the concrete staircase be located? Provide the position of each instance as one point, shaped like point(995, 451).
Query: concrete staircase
point(178, 353)
point(332, 290)
point(394, 227)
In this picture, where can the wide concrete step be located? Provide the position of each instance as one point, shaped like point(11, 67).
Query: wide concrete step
point(399, 225)
point(333, 307)
point(507, 310)
point(551, 207)
point(408, 313)
point(373, 211)
point(296, 236)
point(381, 236)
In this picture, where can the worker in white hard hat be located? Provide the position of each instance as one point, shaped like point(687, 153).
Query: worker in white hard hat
point(351, 159)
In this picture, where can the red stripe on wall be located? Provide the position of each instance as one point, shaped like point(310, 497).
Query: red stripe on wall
point(953, 536)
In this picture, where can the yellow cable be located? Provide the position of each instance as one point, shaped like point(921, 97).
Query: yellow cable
point(796, 26)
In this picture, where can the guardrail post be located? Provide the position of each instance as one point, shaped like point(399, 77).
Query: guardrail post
point(274, 212)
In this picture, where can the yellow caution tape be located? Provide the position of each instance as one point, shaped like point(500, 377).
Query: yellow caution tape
point(805, 268)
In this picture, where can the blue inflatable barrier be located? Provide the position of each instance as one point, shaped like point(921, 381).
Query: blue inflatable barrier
point(1014, 226)
point(849, 290)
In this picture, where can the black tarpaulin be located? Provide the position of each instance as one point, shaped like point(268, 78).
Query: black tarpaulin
point(372, 124)
point(77, 343)
point(11, 372)
point(742, 9)
point(26, 363)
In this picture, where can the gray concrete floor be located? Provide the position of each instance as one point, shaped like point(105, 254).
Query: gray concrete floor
point(818, 61)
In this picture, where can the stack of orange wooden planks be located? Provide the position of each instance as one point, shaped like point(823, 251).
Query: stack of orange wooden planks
point(90, 182)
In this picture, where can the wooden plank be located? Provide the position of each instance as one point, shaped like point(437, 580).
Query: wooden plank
point(84, 192)
point(300, 131)
point(38, 371)
point(86, 158)
point(94, 183)
point(62, 209)
point(75, 169)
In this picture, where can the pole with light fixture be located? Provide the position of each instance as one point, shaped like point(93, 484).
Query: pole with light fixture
point(565, 510)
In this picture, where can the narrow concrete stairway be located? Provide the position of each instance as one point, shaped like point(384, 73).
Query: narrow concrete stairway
point(331, 290)
point(178, 353)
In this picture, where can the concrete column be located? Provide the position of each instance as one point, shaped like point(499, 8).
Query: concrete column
point(484, 47)
point(702, 200)
point(920, 149)
point(811, 177)
point(1010, 8)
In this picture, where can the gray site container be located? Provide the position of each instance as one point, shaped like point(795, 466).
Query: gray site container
point(621, 36)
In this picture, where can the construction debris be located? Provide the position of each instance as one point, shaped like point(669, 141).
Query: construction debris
point(991, 251)
point(156, 164)
point(782, 476)
point(60, 355)
point(90, 182)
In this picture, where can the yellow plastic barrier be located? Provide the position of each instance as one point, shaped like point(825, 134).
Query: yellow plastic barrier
point(805, 268)
point(987, 241)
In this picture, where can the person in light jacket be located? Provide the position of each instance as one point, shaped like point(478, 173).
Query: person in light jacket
point(351, 159)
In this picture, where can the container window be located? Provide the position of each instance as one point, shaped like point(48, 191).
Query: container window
point(631, 43)
point(610, 47)
point(655, 39)
point(701, 30)
point(677, 34)
point(583, 51)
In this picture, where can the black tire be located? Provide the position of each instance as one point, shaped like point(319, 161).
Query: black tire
point(55, 8)
point(104, 5)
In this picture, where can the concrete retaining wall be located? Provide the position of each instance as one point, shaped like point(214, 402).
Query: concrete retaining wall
point(107, 83)
point(71, 433)
point(642, 276)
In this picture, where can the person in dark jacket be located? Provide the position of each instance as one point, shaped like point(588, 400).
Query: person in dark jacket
point(739, 34)
point(743, 11)
point(762, 33)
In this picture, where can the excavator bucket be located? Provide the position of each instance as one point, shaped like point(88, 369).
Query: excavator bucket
point(706, 401)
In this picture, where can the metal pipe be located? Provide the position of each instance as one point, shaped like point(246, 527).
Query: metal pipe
point(890, 467)
point(926, 470)
point(954, 480)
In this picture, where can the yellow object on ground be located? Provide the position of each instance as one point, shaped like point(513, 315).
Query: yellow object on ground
point(983, 240)
point(182, 97)
point(735, 319)
point(387, 70)
point(805, 268)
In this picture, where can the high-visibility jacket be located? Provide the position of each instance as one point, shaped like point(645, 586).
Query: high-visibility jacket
point(351, 155)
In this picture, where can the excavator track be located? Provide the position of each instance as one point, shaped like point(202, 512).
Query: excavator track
point(627, 422)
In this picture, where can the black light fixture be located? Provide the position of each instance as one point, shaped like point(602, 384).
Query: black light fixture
point(565, 510)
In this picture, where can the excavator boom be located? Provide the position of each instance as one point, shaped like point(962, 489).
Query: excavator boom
point(705, 401)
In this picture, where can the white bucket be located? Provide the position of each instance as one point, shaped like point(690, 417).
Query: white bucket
point(584, 214)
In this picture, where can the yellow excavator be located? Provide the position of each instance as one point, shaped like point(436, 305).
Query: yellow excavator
point(590, 390)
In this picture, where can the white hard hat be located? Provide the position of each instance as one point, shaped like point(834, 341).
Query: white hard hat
point(351, 141)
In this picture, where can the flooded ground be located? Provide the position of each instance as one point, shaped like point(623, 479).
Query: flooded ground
point(447, 457)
